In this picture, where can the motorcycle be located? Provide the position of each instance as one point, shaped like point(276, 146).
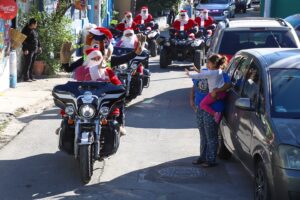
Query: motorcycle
point(89, 130)
point(132, 74)
point(152, 32)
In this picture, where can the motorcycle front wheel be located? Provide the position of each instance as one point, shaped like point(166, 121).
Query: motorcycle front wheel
point(85, 163)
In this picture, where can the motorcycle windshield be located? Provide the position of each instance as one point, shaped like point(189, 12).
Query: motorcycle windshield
point(96, 88)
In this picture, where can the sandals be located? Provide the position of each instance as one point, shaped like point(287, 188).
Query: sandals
point(198, 162)
point(207, 164)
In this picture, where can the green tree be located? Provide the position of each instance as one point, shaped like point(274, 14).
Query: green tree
point(156, 6)
point(54, 29)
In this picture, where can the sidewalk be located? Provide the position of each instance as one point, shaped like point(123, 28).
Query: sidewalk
point(28, 98)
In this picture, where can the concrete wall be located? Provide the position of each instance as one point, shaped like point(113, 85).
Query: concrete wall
point(282, 8)
point(4, 74)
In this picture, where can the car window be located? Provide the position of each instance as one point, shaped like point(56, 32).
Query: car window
point(285, 84)
point(251, 85)
point(233, 64)
point(238, 77)
point(234, 41)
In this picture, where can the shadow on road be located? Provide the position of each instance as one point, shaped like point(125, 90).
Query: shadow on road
point(49, 175)
point(169, 110)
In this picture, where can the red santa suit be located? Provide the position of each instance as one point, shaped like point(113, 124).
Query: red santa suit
point(90, 70)
point(127, 22)
point(144, 17)
point(203, 20)
point(184, 23)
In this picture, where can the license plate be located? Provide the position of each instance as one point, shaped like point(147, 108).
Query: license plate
point(180, 54)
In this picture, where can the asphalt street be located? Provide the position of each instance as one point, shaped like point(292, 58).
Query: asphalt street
point(153, 161)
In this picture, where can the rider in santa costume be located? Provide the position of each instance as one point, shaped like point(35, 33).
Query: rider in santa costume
point(128, 40)
point(184, 23)
point(144, 17)
point(127, 22)
point(202, 19)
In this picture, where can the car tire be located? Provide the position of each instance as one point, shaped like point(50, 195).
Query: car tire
point(223, 152)
point(244, 10)
point(249, 6)
point(261, 184)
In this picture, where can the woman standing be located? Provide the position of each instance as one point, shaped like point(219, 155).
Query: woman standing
point(208, 128)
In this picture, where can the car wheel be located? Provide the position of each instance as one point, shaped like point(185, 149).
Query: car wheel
point(261, 185)
point(245, 10)
point(223, 152)
point(249, 6)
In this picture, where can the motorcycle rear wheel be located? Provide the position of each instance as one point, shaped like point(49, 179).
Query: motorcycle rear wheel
point(85, 163)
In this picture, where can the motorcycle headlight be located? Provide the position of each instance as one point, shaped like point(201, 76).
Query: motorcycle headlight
point(87, 111)
point(104, 111)
point(290, 156)
point(134, 66)
point(225, 12)
point(69, 110)
point(123, 67)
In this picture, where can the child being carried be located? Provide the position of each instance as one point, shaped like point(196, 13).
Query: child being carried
point(215, 79)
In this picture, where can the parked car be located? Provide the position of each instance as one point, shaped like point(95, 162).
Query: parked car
point(256, 32)
point(261, 123)
point(240, 5)
point(218, 9)
point(294, 20)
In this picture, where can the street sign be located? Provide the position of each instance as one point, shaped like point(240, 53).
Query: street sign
point(8, 9)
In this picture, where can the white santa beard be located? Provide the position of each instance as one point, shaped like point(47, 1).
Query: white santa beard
point(90, 63)
point(128, 22)
point(128, 42)
point(144, 16)
point(98, 74)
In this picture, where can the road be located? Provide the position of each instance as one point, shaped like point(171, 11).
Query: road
point(153, 161)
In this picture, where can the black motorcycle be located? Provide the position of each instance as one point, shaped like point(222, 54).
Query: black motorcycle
point(88, 129)
point(152, 32)
point(133, 75)
point(183, 46)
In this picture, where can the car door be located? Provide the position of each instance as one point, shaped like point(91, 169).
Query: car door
point(233, 114)
point(251, 90)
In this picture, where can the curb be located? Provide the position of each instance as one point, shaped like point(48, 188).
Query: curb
point(13, 126)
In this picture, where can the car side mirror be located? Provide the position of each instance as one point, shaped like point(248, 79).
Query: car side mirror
point(244, 104)
point(208, 42)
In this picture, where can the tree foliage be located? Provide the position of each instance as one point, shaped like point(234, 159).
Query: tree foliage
point(54, 29)
point(156, 6)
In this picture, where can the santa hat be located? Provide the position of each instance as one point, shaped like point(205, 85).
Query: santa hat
point(144, 8)
point(102, 31)
point(183, 12)
point(128, 30)
point(127, 13)
point(92, 53)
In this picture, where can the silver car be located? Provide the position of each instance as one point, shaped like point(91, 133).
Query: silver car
point(218, 9)
point(261, 124)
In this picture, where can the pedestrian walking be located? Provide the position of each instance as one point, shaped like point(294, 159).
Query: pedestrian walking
point(31, 47)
